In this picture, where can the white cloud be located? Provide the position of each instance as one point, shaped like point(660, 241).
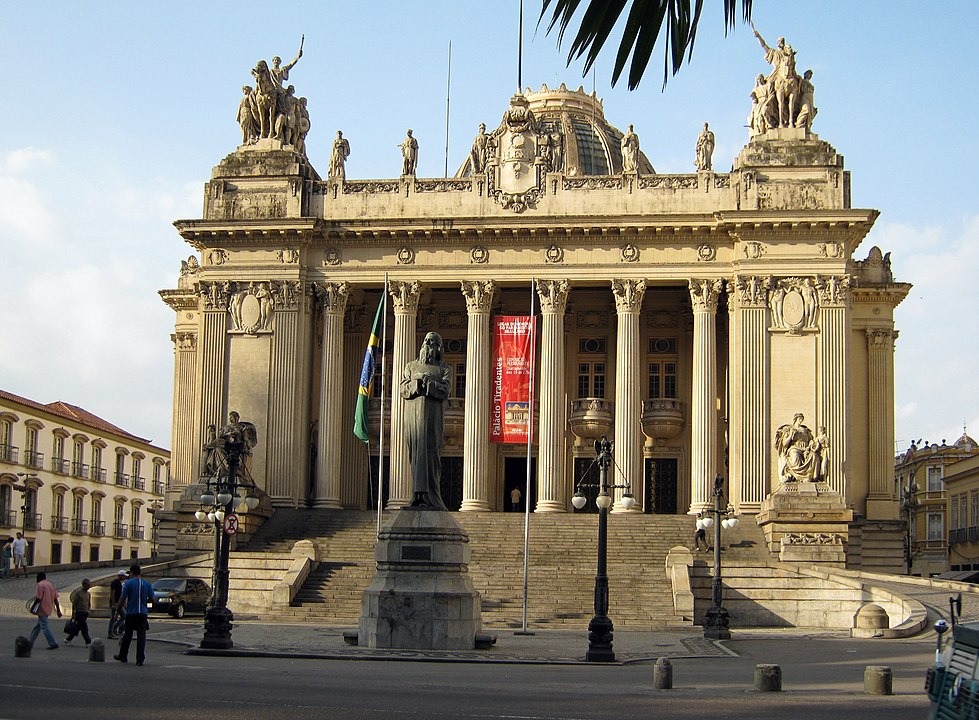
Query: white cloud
point(23, 159)
point(935, 367)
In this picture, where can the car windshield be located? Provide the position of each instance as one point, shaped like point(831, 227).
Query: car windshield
point(168, 585)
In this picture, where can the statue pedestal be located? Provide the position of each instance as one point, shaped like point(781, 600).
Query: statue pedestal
point(806, 523)
point(421, 596)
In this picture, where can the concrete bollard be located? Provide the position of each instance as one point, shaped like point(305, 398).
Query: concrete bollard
point(663, 674)
point(877, 680)
point(96, 651)
point(768, 678)
point(22, 647)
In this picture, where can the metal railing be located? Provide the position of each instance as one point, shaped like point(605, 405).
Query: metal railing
point(60, 466)
point(98, 528)
point(158, 488)
point(34, 460)
point(97, 474)
point(136, 532)
point(139, 483)
point(8, 453)
point(120, 530)
point(8, 518)
point(122, 479)
point(79, 526)
point(32, 521)
point(59, 523)
point(79, 470)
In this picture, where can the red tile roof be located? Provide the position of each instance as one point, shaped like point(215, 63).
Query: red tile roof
point(74, 413)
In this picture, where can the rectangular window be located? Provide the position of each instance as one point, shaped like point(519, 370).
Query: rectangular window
point(56, 553)
point(591, 380)
point(662, 380)
point(936, 526)
point(93, 553)
point(459, 369)
point(955, 513)
point(974, 515)
point(935, 479)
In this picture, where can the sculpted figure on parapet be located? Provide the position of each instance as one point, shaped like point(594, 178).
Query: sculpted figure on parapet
point(802, 456)
point(270, 109)
point(783, 99)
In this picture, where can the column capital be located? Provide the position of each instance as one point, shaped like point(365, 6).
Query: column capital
point(881, 338)
point(333, 297)
point(628, 295)
point(751, 291)
point(553, 295)
point(704, 294)
point(479, 295)
point(213, 295)
point(405, 295)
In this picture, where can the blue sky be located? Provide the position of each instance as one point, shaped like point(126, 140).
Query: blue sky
point(117, 111)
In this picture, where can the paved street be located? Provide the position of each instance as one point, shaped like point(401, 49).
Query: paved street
point(298, 671)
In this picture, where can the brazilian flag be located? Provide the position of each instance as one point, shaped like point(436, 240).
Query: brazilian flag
point(367, 373)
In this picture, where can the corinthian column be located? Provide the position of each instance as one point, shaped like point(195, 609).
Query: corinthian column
point(704, 463)
point(751, 438)
point(475, 488)
point(834, 295)
point(628, 410)
point(333, 299)
point(405, 296)
point(551, 450)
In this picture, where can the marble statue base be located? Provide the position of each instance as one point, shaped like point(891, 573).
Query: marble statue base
point(421, 596)
point(806, 523)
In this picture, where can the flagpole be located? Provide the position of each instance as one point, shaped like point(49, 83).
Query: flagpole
point(532, 329)
point(380, 444)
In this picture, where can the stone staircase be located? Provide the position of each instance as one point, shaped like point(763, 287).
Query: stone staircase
point(563, 557)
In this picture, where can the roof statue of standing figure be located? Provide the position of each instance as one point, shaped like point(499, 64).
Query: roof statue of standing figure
point(338, 158)
point(424, 388)
point(705, 149)
point(409, 155)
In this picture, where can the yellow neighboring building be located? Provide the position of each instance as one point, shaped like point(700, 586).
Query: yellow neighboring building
point(923, 476)
point(962, 490)
point(78, 487)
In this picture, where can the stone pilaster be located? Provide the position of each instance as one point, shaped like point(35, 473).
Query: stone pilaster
point(356, 475)
point(628, 404)
point(750, 362)
point(212, 359)
point(833, 335)
point(333, 301)
point(705, 463)
point(287, 453)
point(551, 448)
point(475, 483)
point(186, 455)
point(405, 296)
point(880, 381)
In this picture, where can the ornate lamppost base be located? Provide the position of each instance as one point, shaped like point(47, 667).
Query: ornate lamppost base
point(217, 629)
point(600, 640)
point(716, 622)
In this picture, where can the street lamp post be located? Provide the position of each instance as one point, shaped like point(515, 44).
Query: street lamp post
point(716, 619)
point(225, 473)
point(600, 627)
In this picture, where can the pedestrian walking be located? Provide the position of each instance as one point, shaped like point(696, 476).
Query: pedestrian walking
point(81, 608)
point(47, 598)
point(115, 607)
point(700, 536)
point(19, 547)
point(136, 594)
point(6, 557)
point(515, 496)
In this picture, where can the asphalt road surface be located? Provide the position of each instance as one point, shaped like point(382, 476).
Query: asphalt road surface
point(822, 678)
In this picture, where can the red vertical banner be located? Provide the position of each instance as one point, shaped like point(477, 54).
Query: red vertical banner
point(513, 336)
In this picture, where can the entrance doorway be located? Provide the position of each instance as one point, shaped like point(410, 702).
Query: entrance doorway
point(451, 485)
point(660, 486)
point(515, 477)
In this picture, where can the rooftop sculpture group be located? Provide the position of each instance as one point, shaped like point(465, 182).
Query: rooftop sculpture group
point(272, 110)
point(782, 99)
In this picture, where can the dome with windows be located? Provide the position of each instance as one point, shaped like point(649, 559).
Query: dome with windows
point(572, 133)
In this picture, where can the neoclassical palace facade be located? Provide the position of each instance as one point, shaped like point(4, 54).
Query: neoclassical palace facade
point(688, 317)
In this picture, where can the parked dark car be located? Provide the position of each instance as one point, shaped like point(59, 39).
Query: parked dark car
point(180, 595)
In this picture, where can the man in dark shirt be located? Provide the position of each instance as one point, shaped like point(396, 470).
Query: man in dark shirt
point(115, 611)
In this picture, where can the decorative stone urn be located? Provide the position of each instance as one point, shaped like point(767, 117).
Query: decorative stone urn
point(662, 419)
point(591, 418)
